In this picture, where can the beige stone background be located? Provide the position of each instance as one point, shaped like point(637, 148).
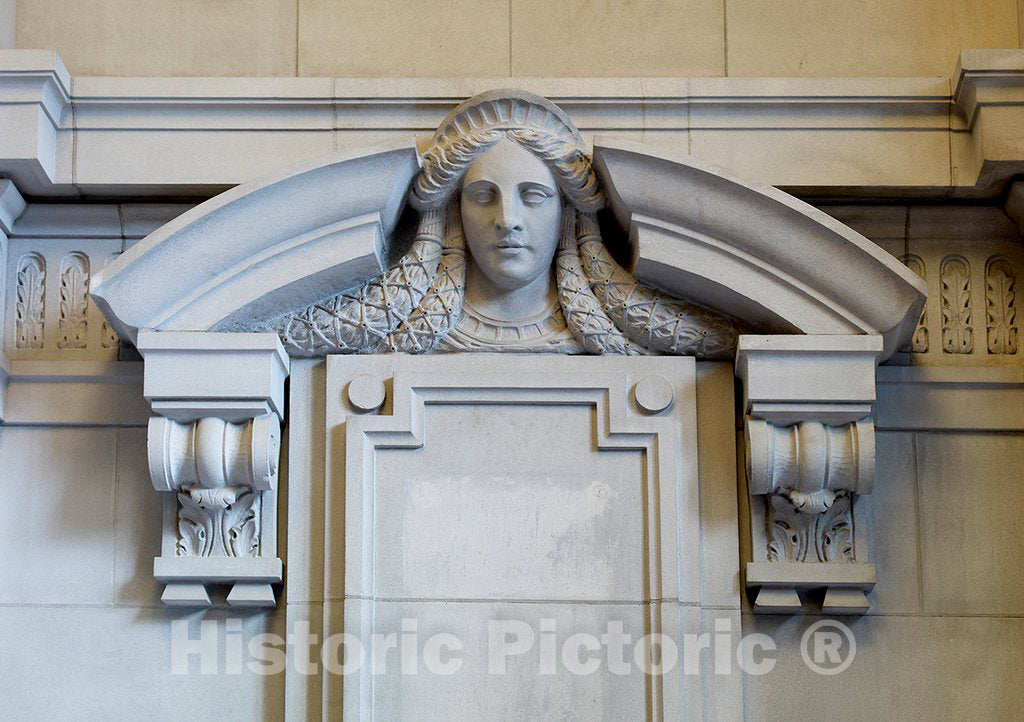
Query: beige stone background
point(433, 38)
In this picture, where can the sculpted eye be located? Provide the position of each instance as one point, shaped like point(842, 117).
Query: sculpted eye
point(483, 196)
point(535, 196)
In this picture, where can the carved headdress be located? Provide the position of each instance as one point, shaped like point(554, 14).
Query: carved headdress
point(413, 305)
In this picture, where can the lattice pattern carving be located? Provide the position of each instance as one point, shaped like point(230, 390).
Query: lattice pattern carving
point(358, 320)
point(644, 315)
point(583, 313)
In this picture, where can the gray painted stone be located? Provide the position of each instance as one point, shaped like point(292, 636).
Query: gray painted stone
point(906, 667)
point(57, 528)
point(968, 528)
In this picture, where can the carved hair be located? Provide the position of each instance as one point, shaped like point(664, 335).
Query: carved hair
point(446, 162)
point(414, 304)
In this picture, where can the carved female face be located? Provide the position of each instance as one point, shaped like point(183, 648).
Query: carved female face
point(511, 215)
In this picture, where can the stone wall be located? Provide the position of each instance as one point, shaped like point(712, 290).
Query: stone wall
point(79, 527)
point(522, 38)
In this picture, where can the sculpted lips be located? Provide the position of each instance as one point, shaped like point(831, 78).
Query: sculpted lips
point(512, 242)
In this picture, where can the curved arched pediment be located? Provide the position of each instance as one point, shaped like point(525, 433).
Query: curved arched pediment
point(274, 245)
point(263, 247)
point(753, 251)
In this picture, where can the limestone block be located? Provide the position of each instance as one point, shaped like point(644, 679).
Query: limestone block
point(8, 15)
point(141, 219)
point(879, 223)
point(716, 439)
point(815, 158)
point(965, 399)
point(116, 663)
point(56, 515)
point(798, 37)
point(907, 661)
point(473, 694)
point(77, 393)
point(46, 221)
point(345, 39)
point(955, 471)
point(138, 512)
point(650, 38)
point(303, 479)
point(892, 511)
point(123, 37)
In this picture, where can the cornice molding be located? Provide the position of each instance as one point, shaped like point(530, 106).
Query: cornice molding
point(876, 136)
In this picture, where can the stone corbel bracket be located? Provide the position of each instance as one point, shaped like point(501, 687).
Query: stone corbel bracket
point(810, 454)
point(214, 448)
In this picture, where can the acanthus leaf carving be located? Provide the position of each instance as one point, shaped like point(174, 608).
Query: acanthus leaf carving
point(957, 334)
point(1000, 307)
point(72, 322)
point(30, 302)
point(218, 522)
point(798, 530)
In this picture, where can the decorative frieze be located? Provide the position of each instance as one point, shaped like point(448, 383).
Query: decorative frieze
point(973, 311)
point(48, 284)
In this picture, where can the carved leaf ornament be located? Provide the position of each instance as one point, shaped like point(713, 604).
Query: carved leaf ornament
point(74, 301)
point(30, 301)
point(957, 335)
point(1000, 307)
point(416, 303)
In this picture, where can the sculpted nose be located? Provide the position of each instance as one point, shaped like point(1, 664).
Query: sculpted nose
point(508, 219)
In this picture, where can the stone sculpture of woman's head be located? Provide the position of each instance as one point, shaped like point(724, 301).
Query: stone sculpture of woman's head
point(508, 179)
